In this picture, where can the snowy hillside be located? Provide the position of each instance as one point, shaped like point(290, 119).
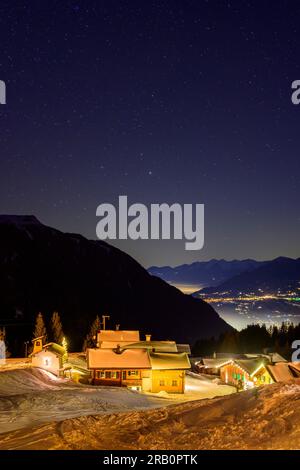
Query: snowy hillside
point(41, 412)
point(265, 418)
point(31, 397)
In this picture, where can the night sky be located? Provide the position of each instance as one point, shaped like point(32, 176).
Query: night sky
point(164, 101)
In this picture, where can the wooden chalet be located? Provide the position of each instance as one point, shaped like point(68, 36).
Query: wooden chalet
point(121, 359)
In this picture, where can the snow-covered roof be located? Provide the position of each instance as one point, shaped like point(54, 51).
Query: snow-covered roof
point(216, 363)
point(227, 354)
point(280, 371)
point(272, 357)
point(275, 357)
point(165, 361)
point(55, 348)
point(127, 359)
point(136, 359)
point(118, 335)
point(184, 348)
point(159, 346)
point(295, 366)
point(113, 344)
point(250, 365)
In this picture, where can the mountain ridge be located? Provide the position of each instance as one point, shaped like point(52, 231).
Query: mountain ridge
point(280, 273)
point(44, 269)
point(206, 273)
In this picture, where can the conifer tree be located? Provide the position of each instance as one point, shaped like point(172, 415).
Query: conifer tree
point(56, 328)
point(40, 327)
point(91, 336)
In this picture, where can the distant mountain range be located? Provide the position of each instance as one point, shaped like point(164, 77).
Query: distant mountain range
point(205, 273)
point(279, 274)
point(268, 294)
point(43, 269)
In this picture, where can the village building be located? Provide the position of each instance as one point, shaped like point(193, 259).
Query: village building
point(284, 371)
point(50, 357)
point(246, 373)
point(37, 344)
point(113, 338)
point(121, 359)
point(295, 368)
point(211, 366)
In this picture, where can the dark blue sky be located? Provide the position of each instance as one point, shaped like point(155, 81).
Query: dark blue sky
point(165, 101)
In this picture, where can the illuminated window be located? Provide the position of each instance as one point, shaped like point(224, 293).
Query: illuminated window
point(38, 343)
point(133, 373)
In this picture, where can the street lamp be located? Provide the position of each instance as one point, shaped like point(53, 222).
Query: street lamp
point(26, 348)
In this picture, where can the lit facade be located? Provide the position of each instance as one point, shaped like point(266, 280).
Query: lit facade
point(246, 373)
point(149, 366)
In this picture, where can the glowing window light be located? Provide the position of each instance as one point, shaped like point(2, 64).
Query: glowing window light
point(47, 361)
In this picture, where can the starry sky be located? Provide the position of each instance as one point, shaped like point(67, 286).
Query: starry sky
point(164, 101)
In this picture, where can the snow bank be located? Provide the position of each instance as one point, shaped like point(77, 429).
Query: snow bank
point(32, 396)
point(264, 418)
point(18, 381)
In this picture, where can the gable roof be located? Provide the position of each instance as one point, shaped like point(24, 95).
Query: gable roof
point(136, 359)
point(280, 372)
point(158, 346)
point(118, 335)
point(184, 348)
point(249, 365)
point(271, 357)
point(37, 339)
point(295, 368)
point(113, 344)
point(55, 348)
point(108, 358)
point(165, 361)
point(216, 363)
point(275, 357)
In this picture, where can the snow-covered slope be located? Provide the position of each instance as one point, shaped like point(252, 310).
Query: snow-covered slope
point(265, 418)
point(31, 397)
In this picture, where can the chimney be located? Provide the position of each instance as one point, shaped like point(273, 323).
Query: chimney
point(117, 327)
point(148, 337)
